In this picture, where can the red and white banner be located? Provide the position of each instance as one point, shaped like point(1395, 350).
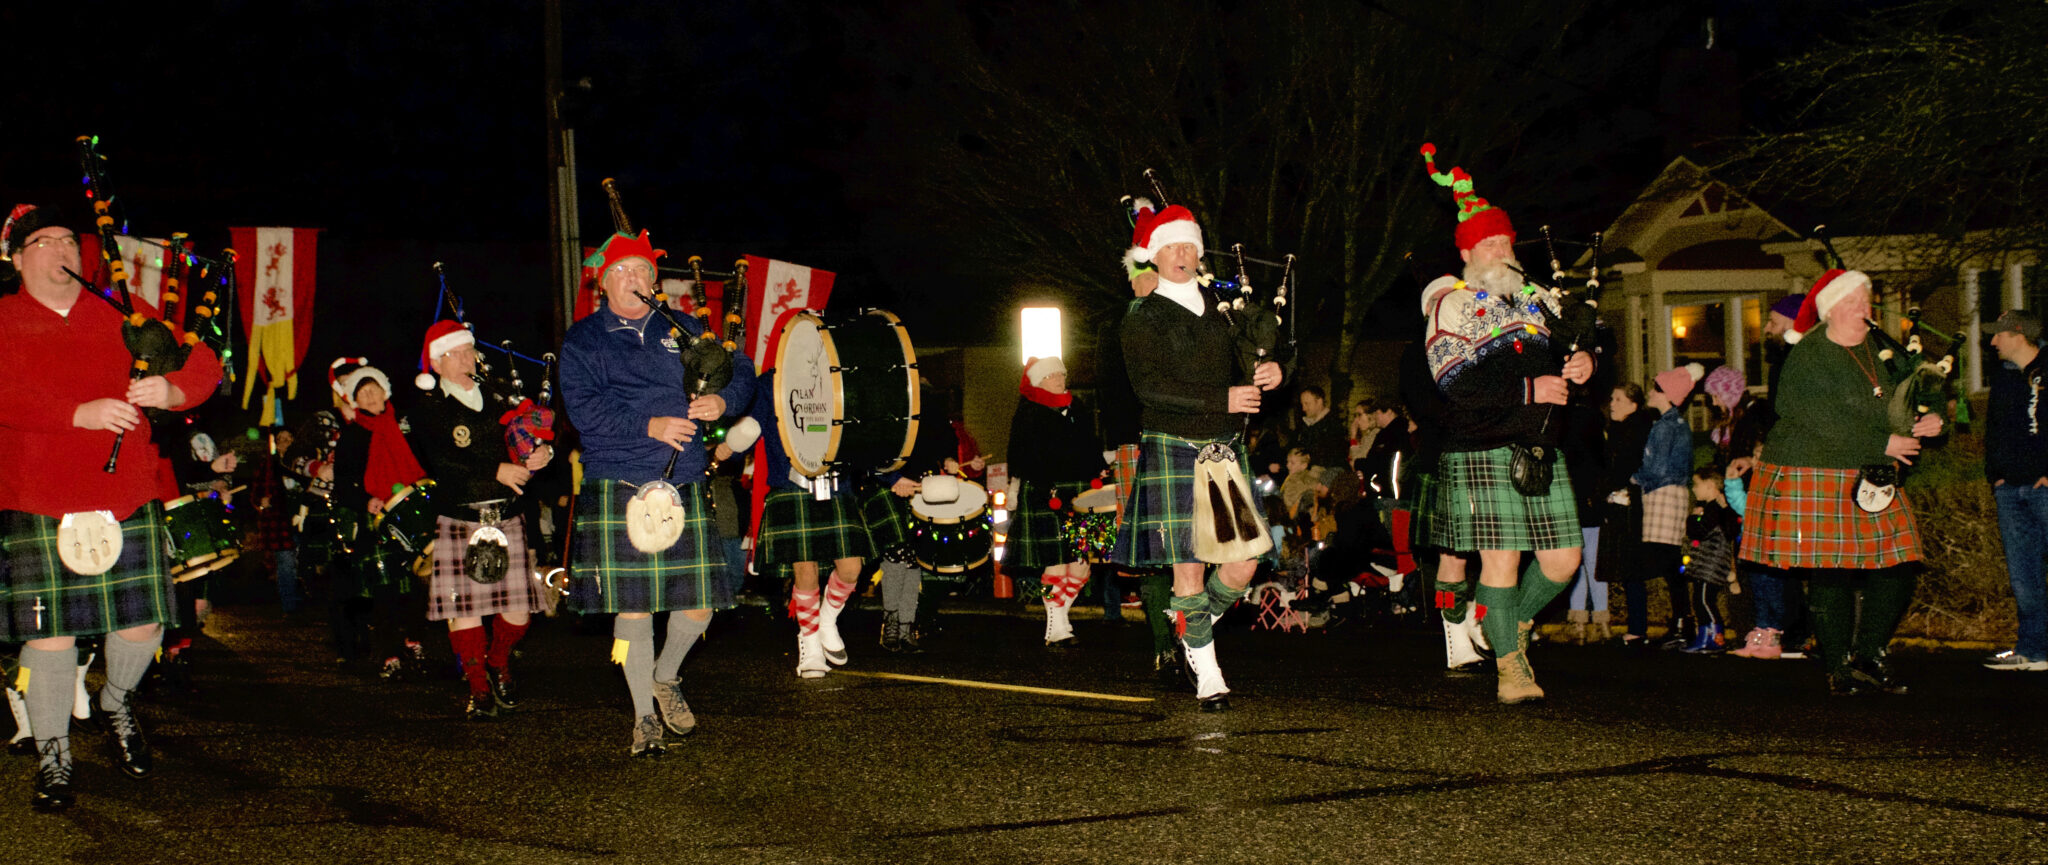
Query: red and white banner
point(274, 271)
point(776, 287)
point(144, 260)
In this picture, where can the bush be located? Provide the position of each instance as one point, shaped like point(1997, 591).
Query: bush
point(1964, 593)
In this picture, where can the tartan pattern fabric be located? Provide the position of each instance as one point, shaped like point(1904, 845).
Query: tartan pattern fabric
point(42, 598)
point(453, 595)
point(1478, 508)
point(887, 516)
point(1802, 517)
point(796, 527)
point(1034, 539)
point(1423, 520)
point(1125, 472)
point(1664, 513)
point(1159, 503)
point(375, 566)
point(610, 576)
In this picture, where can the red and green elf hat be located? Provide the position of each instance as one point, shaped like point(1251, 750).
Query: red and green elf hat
point(617, 248)
point(1477, 219)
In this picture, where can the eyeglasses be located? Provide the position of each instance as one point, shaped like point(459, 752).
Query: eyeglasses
point(627, 268)
point(68, 240)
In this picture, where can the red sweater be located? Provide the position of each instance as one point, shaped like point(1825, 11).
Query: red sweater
point(50, 365)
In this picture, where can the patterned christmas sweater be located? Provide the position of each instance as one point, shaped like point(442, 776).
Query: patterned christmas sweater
point(1485, 355)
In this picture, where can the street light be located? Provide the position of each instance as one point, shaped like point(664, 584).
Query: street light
point(1040, 332)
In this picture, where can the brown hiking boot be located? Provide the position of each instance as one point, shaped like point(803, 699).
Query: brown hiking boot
point(1517, 682)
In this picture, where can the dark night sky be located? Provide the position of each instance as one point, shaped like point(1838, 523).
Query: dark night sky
point(414, 132)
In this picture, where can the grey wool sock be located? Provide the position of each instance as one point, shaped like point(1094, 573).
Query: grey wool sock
point(51, 673)
point(127, 662)
point(683, 633)
point(635, 638)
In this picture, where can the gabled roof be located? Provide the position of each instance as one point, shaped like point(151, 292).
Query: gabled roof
point(1682, 190)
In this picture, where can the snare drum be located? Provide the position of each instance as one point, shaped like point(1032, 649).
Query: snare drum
point(203, 536)
point(951, 537)
point(846, 392)
point(409, 520)
point(1089, 526)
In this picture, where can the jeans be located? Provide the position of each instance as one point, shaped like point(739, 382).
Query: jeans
point(1766, 593)
point(2023, 526)
point(735, 563)
point(1588, 592)
point(1112, 594)
point(289, 596)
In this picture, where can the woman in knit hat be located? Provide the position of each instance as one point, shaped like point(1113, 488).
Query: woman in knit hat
point(1667, 464)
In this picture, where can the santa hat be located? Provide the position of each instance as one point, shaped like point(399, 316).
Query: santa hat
point(445, 336)
point(1827, 291)
point(346, 374)
point(1039, 368)
point(1678, 383)
point(1477, 219)
point(617, 248)
point(1156, 231)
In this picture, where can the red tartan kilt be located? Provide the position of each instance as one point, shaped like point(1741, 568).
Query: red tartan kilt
point(1801, 517)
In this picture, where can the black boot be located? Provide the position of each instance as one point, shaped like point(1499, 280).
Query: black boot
point(131, 750)
point(1682, 632)
point(1875, 673)
point(51, 790)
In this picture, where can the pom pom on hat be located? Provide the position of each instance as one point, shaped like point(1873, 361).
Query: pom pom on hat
point(346, 375)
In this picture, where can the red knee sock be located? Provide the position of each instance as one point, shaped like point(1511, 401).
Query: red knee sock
point(504, 635)
point(803, 607)
point(837, 591)
point(469, 647)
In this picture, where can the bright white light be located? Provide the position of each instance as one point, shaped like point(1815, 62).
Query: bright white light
point(1041, 332)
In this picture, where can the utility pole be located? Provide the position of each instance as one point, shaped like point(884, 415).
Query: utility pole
point(564, 232)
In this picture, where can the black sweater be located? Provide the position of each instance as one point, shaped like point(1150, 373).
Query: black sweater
point(2016, 425)
point(1120, 409)
point(1050, 446)
point(1182, 367)
point(461, 451)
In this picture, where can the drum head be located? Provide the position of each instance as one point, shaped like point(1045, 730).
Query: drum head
point(89, 542)
point(971, 501)
point(1097, 501)
point(654, 517)
point(845, 392)
point(807, 386)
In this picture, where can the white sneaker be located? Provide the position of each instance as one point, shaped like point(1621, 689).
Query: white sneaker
point(1208, 673)
point(1459, 653)
point(2011, 659)
point(1057, 625)
point(810, 656)
point(828, 629)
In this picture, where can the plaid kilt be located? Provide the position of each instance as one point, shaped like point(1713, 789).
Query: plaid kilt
point(42, 598)
point(1664, 513)
point(887, 517)
point(1159, 503)
point(1477, 507)
point(613, 577)
point(1034, 539)
point(1422, 520)
point(796, 527)
point(1125, 473)
point(1801, 517)
point(453, 595)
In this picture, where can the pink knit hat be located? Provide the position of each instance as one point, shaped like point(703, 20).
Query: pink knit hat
point(1725, 385)
point(1678, 383)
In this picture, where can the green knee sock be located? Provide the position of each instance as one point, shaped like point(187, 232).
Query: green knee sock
point(1832, 601)
point(1535, 591)
point(1194, 610)
point(1499, 623)
point(1886, 595)
point(1221, 597)
point(1155, 594)
point(1459, 596)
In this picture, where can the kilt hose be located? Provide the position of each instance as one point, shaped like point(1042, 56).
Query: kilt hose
point(797, 527)
point(1801, 517)
point(1159, 504)
point(453, 595)
point(1478, 507)
point(42, 598)
point(1664, 513)
point(1035, 540)
point(610, 576)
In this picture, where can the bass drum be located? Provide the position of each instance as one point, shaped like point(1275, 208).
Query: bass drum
point(203, 536)
point(409, 521)
point(846, 392)
point(954, 536)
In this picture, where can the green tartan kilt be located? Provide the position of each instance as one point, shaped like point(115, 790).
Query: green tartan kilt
point(42, 598)
point(887, 517)
point(797, 527)
point(1036, 538)
point(1478, 508)
point(1159, 505)
point(1422, 520)
point(610, 576)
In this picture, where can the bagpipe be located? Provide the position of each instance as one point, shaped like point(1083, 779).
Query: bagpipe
point(529, 421)
point(1923, 385)
point(158, 345)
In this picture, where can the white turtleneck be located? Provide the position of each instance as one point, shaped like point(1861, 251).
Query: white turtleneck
point(1187, 294)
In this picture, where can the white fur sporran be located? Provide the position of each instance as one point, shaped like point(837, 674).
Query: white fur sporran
point(1229, 525)
point(654, 517)
point(89, 542)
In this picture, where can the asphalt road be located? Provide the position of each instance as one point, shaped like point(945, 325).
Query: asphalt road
point(1348, 746)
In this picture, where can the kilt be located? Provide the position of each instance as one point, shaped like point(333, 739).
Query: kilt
point(1125, 473)
point(1035, 540)
point(42, 598)
point(1422, 521)
point(1159, 503)
point(375, 569)
point(1664, 513)
point(613, 577)
point(796, 527)
point(1478, 508)
point(452, 595)
point(1802, 517)
point(887, 516)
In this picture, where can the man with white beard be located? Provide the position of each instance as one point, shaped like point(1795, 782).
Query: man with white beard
point(1500, 489)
